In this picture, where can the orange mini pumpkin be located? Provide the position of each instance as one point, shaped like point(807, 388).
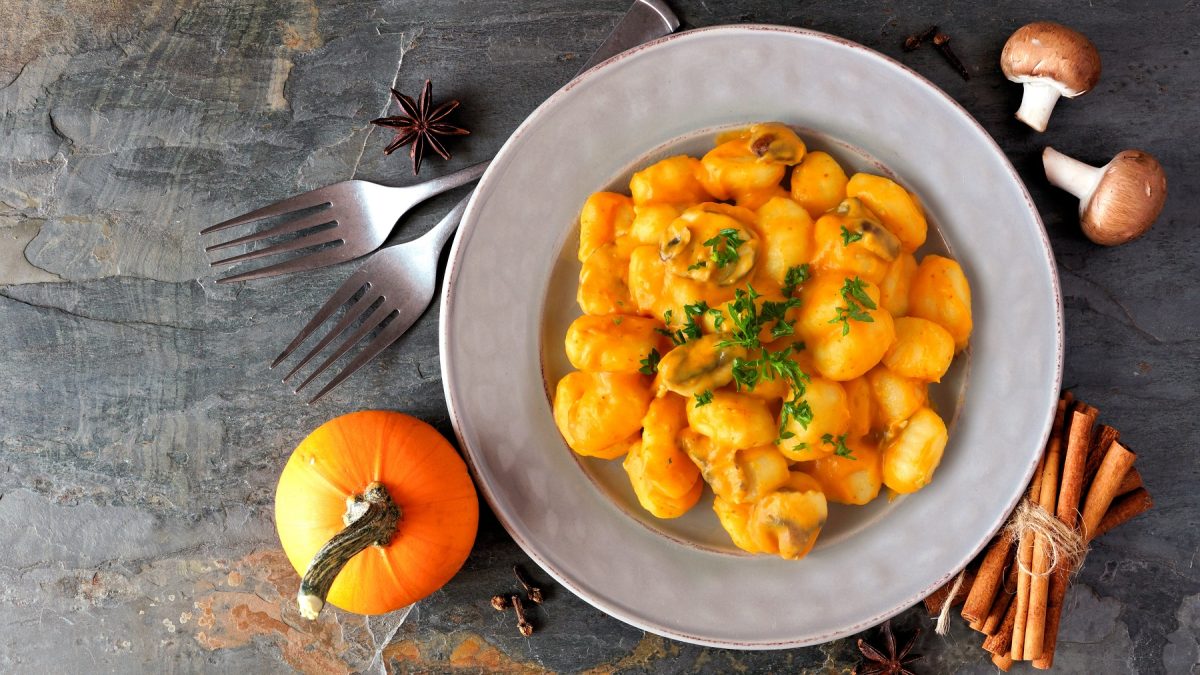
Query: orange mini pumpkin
point(376, 510)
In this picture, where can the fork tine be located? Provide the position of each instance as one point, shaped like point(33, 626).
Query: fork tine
point(354, 284)
point(377, 316)
point(299, 243)
point(313, 220)
point(381, 342)
point(308, 261)
point(302, 201)
point(355, 311)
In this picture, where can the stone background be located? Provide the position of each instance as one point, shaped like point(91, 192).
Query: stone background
point(141, 434)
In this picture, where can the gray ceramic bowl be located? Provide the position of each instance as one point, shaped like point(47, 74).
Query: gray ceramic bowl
point(509, 295)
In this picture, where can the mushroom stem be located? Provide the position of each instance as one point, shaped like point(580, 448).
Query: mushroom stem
point(371, 520)
point(1037, 102)
point(1072, 175)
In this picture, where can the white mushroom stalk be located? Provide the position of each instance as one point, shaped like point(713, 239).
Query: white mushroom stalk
point(1037, 101)
point(1050, 61)
point(1119, 201)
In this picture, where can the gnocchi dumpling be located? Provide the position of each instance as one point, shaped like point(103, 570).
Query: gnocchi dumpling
point(940, 293)
point(818, 183)
point(596, 412)
point(787, 521)
point(674, 180)
point(856, 479)
point(603, 285)
point(617, 343)
point(912, 455)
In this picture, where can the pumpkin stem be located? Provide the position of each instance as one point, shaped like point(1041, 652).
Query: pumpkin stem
point(371, 520)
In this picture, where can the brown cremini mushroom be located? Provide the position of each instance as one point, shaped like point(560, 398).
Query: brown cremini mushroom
point(1119, 201)
point(1050, 60)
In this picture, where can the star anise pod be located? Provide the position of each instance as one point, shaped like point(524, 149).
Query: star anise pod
point(420, 125)
point(877, 662)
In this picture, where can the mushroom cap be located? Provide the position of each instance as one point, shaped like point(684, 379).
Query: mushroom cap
point(1053, 54)
point(1127, 200)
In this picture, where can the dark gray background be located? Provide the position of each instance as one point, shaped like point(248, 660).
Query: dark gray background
point(141, 433)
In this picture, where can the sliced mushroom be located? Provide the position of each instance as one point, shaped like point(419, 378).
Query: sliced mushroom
point(1119, 201)
point(688, 245)
point(875, 237)
point(776, 143)
point(1050, 60)
point(699, 365)
point(769, 141)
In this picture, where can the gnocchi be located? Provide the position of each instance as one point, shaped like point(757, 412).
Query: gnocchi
point(758, 322)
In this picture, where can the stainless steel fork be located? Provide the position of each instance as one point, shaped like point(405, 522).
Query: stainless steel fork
point(396, 283)
point(391, 290)
point(355, 218)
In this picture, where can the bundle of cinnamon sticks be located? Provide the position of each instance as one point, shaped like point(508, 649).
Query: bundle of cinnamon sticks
point(1013, 593)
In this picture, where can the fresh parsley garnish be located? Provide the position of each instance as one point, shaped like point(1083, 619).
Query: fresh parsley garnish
point(704, 398)
point(697, 266)
point(854, 292)
point(746, 373)
point(850, 236)
point(724, 246)
point(617, 320)
point(718, 318)
point(839, 445)
point(650, 363)
point(794, 277)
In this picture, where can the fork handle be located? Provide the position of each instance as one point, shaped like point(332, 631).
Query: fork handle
point(437, 235)
point(436, 186)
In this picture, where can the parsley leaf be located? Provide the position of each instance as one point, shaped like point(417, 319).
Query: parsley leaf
point(704, 398)
point(854, 292)
point(856, 288)
point(744, 314)
point(724, 246)
point(690, 330)
point(697, 266)
point(850, 236)
point(794, 277)
point(650, 363)
point(839, 445)
point(718, 318)
point(746, 373)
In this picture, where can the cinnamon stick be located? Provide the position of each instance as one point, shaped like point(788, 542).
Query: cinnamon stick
point(1001, 642)
point(1123, 509)
point(1025, 561)
point(1131, 482)
point(1079, 441)
point(1039, 583)
point(1002, 661)
point(1105, 436)
point(995, 618)
point(933, 604)
point(987, 580)
point(1117, 462)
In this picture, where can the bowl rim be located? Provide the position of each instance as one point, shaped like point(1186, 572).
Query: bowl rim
point(470, 221)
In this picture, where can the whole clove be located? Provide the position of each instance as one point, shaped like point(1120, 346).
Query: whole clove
point(500, 603)
point(533, 592)
point(915, 40)
point(523, 624)
point(941, 42)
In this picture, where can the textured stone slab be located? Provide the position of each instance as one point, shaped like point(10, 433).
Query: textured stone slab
point(141, 432)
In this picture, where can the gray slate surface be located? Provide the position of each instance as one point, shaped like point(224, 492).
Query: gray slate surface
point(141, 434)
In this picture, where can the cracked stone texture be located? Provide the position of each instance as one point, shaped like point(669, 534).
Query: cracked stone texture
point(141, 434)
